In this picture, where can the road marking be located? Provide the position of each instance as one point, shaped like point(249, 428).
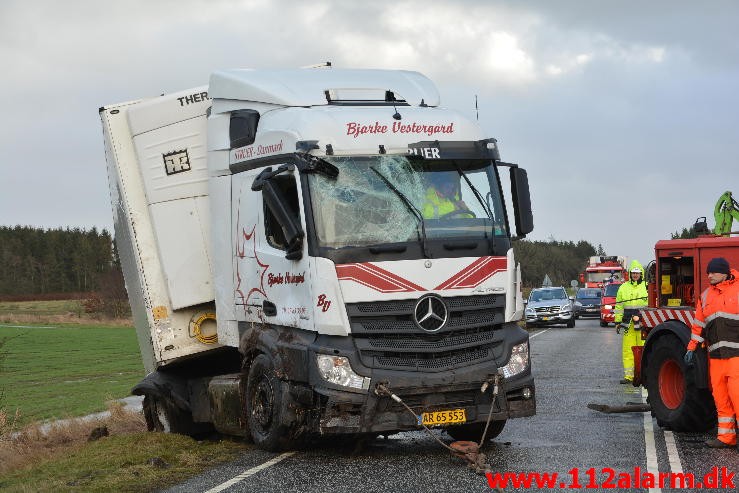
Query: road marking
point(649, 445)
point(249, 472)
point(534, 335)
point(672, 455)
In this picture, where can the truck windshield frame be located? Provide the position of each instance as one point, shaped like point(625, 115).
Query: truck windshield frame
point(358, 217)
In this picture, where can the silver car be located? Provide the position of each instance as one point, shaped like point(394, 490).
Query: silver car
point(548, 306)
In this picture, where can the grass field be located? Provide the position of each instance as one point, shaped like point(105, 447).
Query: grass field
point(131, 462)
point(66, 370)
point(56, 307)
point(50, 369)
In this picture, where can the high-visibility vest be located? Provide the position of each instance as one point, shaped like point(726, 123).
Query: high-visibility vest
point(437, 206)
point(717, 319)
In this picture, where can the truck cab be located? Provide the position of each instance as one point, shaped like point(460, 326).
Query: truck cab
point(348, 238)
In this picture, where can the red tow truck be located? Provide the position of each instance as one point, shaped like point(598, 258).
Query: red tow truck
point(679, 394)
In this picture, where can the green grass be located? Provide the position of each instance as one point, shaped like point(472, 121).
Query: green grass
point(69, 370)
point(122, 463)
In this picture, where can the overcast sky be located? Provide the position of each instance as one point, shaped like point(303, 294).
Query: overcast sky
point(625, 114)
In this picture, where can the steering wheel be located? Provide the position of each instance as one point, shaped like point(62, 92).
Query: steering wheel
point(460, 212)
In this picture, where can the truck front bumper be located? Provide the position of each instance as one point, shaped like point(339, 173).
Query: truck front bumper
point(341, 412)
point(444, 384)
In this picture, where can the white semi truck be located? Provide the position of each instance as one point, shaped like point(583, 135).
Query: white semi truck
point(297, 245)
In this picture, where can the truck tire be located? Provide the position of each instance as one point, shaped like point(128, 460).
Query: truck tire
point(677, 402)
point(163, 416)
point(264, 406)
point(473, 432)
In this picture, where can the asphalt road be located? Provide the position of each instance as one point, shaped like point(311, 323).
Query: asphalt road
point(572, 367)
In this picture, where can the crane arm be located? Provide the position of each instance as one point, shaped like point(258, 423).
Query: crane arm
point(725, 212)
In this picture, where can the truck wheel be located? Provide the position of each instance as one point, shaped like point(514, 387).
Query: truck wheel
point(264, 401)
point(163, 416)
point(473, 431)
point(677, 403)
point(571, 323)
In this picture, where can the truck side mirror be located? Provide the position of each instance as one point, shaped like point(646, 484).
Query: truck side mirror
point(521, 201)
point(277, 204)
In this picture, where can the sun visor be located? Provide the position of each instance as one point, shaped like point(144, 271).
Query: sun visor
point(314, 87)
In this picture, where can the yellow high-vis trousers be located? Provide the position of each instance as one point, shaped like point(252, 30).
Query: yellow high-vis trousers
point(631, 338)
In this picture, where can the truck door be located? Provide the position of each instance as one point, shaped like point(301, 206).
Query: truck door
point(272, 264)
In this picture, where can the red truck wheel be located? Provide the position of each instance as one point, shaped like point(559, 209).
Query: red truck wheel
point(677, 402)
point(671, 384)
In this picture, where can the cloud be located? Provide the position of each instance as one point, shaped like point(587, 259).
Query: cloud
point(588, 96)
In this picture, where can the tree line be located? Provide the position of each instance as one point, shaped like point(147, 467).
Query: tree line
point(562, 261)
point(36, 261)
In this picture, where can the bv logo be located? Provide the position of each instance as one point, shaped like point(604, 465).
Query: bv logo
point(323, 303)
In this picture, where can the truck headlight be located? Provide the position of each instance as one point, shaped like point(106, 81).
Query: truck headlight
point(519, 360)
point(608, 307)
point(338, 371)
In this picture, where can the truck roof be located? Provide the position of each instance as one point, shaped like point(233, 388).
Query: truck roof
point(314, 87)
point(701, 241)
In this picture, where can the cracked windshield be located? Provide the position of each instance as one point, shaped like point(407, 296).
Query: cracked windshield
point(385, 199)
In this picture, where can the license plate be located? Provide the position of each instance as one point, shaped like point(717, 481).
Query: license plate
point(443, 417)
point(546, 318)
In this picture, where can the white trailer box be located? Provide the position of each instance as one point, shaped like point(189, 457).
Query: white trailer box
point(158, 176)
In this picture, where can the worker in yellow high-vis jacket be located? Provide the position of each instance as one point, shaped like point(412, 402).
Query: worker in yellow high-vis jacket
point(443, 198)
point(631, 295)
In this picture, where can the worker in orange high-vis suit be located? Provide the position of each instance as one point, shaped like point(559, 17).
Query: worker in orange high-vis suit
point(717, 325)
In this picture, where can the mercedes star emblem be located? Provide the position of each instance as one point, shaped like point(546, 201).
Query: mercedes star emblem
point(430, 313)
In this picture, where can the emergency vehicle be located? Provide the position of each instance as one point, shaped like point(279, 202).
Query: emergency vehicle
point(602, 270)
point(679, 394)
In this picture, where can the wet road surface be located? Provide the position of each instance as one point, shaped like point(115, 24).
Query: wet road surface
point(587, 450)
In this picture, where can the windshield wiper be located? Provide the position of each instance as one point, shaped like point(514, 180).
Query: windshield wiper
point(409, 205)
point(477, 193)
point(485, 207)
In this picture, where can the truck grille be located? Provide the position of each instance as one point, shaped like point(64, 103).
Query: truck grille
point(387, 337)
